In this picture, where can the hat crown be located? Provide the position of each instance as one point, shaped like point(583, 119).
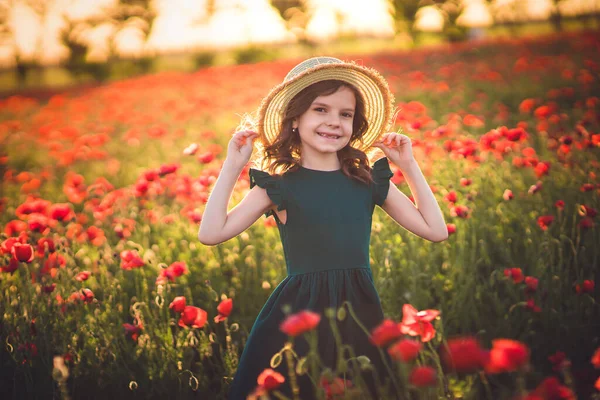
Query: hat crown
point(310, 63)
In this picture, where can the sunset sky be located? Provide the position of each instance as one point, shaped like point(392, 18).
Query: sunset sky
point(184, 25)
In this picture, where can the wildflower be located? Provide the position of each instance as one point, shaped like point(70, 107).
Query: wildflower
point(270, 379)
point(83, 276)
point(405, 350)
point(206, 158)
point(41, 246)
point(224, 308)
point(335, 387)
point(61, 212)
point(532, 306)
point(596, 358)
point(515, 273)
point(531, 284)
point(192, 316)
point(451, 228)
point(133, 331)
point(130, 259)
point(418, 323)
point(191, 149)
point(12, 266)
point(167, 169)
point(585, 223)
point(22, 252)
point(422, 377)
point(507, 355)
point(586, 287)
point(173, 271)
point(299, 323)
point(550, 388)
point(559, 361)
point(545, 221)
point(464, 354)
point(387, 331)
point(178, 304)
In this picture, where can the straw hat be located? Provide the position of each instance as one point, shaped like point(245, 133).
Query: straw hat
point(372, 86)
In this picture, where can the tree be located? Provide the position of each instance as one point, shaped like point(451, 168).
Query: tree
point(404, 13)
point(295, 13)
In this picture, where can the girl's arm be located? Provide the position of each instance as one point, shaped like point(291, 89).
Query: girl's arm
point(217, 225)
point(425, 219)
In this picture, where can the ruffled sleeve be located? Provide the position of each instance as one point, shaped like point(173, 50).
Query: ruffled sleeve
point(273, 186)
point(381, 174)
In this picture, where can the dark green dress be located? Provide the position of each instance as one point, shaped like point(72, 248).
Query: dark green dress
point(326, 241)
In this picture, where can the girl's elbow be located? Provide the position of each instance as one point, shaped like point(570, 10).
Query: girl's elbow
point(207, 240)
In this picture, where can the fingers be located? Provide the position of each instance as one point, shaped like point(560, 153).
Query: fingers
point(240, 137)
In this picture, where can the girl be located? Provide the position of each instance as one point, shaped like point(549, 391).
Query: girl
point(315, 130)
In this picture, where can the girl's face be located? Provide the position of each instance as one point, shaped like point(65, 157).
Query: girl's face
point(326, 126)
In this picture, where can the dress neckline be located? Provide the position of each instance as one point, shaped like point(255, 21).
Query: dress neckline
point(319, 170)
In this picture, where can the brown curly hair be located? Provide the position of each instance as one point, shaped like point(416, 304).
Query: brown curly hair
point(283, 154)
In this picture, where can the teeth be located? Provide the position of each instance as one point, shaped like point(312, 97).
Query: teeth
point(327, 136)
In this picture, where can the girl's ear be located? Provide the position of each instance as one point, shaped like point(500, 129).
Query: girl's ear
point(294, 124)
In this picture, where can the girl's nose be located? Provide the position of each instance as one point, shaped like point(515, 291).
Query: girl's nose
point(333, 121)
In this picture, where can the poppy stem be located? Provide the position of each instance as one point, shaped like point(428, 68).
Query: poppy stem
point(387, 366)
point(290, 363)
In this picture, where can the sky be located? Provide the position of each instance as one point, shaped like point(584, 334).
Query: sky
point(183, 24)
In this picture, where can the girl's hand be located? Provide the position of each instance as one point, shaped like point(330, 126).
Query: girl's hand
point(397, 147)
point(240, 148)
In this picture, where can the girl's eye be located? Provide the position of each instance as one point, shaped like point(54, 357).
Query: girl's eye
point(347, 115)
point(319, 109)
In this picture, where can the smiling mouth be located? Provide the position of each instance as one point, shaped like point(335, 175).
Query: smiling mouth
point(332, 137)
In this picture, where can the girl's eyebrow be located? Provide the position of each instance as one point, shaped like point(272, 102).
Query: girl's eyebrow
point(327, 105)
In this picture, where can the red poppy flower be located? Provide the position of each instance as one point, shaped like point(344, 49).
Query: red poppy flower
point(507, 355)
point(44, 243)
point(88, 295)
point(559, 361)
point(334, 387)
point(423, 376)
point(418, 323)
point(133, 331)
point(270, 379)
point(13, 265)
point(451, 228)
point(299, 323)
point(387, 331)
point(130, 260)
point(586, 287)
point(61, 212)
point(545, 221)
point(49, 288)
point(7, 245)
point(551, 389)
point(22, 252)
point(83, 276)
point(167, 169)
point(515, 273)
point(405, 350)
point(178, 304)
point(173, 271)
point(463, 354)
point(596, 358)
point(532, 283)
point(224, 308)
point(192, 316)
point(585, 223)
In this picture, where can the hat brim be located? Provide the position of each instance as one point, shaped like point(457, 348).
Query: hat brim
point(377, 97)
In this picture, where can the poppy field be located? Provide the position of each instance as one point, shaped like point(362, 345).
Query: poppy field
point(105, 289)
